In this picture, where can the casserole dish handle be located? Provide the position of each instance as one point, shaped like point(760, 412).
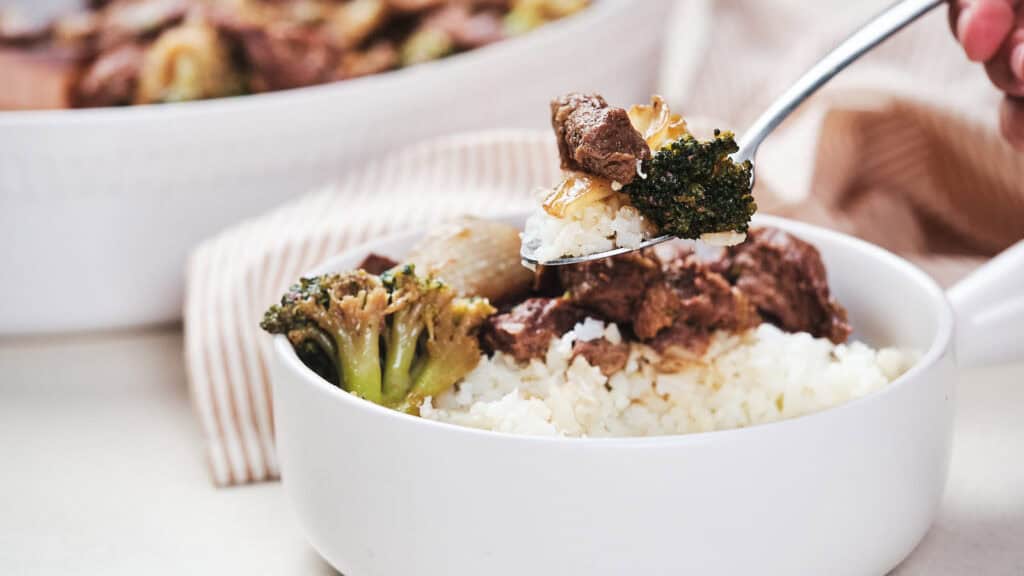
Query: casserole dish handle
point(989, 309)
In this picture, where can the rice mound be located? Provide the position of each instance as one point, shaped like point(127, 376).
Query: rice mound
point(597, 227)
point(759, 376)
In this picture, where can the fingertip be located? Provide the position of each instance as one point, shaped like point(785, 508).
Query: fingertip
point(982, 27)
point(1017, 61)
point(1011, 121)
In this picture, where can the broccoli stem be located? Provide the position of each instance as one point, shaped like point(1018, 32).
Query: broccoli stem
point(401, 351)
point(439, 373)
point(359, 356)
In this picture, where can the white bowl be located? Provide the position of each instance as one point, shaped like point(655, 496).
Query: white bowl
point(107, 203)
point(850, 490)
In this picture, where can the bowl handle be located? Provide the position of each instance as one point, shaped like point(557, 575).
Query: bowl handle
point(989, 308)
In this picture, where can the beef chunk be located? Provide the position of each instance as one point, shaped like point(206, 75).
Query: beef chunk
point(112, 78)
point(526, 330)
point(691, 293)
point(283, 56)
point(609, 357)
point(658, 309)
point(681, 342)
point(613, 287)
point(660, 290)
point(784, 278)
point(678, 316)
point(377, 264)
point(674, 300)
point(596, 138)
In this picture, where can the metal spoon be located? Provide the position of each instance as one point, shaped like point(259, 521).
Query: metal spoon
point(892, 20)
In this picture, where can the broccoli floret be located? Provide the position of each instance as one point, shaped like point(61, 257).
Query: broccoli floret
point(693, 187)
point(341, 315)
point(337, 323)
point(451, 349)
point(315, 346)
point(415, 301)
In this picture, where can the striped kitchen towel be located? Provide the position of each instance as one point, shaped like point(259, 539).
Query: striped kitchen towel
point(235, 276)
point(902, 150)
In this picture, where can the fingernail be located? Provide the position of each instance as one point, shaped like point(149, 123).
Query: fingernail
point(1017, 61)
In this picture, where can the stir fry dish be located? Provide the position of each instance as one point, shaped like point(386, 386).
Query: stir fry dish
point(122, 52)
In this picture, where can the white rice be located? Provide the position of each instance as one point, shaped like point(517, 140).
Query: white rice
point(756, 377)
point(597, 227)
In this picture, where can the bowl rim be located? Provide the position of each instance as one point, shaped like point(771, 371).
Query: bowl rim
point(383, 80)
point(940, 345)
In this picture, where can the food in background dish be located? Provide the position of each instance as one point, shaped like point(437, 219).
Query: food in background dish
point(631, 176)
point(672, 339)
point(120, 52)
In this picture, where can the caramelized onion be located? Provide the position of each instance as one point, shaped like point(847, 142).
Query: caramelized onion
point(575, 191)
point(657, 124)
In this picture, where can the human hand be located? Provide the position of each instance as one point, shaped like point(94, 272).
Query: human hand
point(992, 32)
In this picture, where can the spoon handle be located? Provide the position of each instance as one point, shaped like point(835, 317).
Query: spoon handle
point(892, 20)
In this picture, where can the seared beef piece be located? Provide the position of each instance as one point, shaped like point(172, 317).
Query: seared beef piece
point(679, 315)
point(284, 56)
point(610, 358)
point(657, 291)
point(674, 300)
point(784, 278)
point(596, 138)
point(657, 310)
point(377, 264)
point(526, 330)
point(111, 79)
point(680, 344)
point(612, 287)
point(691, 293)
point(467, 29)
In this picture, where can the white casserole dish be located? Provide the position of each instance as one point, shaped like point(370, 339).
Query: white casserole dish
point(112, 200)
point(850, 490)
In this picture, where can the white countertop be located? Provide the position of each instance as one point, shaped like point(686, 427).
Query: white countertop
point(102, 472)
